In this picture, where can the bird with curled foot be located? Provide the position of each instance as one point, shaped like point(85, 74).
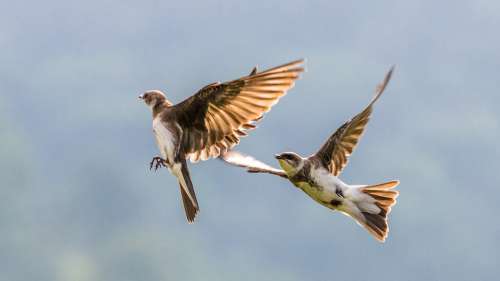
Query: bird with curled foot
point(212, 121)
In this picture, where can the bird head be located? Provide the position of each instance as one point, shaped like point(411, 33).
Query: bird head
point(153, 98)
point(290, 162)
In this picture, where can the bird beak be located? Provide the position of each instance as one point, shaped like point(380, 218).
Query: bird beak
point(277, 156)
point(141, 97)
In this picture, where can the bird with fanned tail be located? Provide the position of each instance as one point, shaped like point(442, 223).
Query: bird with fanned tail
point(317, 175)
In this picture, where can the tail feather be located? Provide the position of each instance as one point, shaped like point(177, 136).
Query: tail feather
point(384, 198)
point(382, 186)
point(377, 225)
point(187, 192)
point(374, 219)
point(189, 208)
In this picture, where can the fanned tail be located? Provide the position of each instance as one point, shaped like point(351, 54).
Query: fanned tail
point(372, 206)
point(385, 198)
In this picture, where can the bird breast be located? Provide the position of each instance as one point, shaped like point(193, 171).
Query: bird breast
point(165, 139)
point(325, 185)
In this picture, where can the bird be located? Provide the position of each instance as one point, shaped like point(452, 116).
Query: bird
point(318, 174)
point(212, 121)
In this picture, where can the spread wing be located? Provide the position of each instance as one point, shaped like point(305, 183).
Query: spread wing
point(251, 164)
point(335, 153)
point(214, 119)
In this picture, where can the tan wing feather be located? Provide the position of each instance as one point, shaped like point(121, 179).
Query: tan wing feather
point(335, 153)
point(216, 117)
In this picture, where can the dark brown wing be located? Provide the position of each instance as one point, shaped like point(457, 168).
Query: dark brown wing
point(214, 119)
point(251, 164)
point(335, 153)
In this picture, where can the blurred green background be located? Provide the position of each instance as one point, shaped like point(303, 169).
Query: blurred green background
point(78, 202)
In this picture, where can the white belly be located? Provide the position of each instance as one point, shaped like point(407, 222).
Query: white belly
point(327, 185)
point(165, 140)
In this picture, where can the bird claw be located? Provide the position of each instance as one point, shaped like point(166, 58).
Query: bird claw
point(157, 162)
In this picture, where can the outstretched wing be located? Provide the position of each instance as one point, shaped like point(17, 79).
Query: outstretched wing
point(251, 164)
point(335, 153)
point(214, 119)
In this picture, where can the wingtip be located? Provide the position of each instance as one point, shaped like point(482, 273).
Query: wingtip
point(302, 61)
point(389, 73)
point(381, 87)
point(297, 65)
point(297, 61)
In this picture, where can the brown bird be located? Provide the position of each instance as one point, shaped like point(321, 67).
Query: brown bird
point(317, 175)
point(213, 120)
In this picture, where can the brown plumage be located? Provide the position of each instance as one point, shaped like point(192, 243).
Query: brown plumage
point(335, 153)
point(213, 120)
point(385, 198)
point(217, 116)
point(317, 175)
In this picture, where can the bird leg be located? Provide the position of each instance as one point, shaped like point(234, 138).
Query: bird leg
point(157, 162)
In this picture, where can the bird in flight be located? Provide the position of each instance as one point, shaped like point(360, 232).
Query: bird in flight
point(317, 175)
point(212, 121)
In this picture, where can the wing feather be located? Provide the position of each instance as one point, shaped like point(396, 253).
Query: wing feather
point(215, 118)
point(252, 165)
point(334, 154)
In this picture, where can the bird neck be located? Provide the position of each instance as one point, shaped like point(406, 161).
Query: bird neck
point(289, 169)
point(159, 107)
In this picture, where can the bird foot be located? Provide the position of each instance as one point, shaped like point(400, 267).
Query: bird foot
point(339, 193)
point(157, 162)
